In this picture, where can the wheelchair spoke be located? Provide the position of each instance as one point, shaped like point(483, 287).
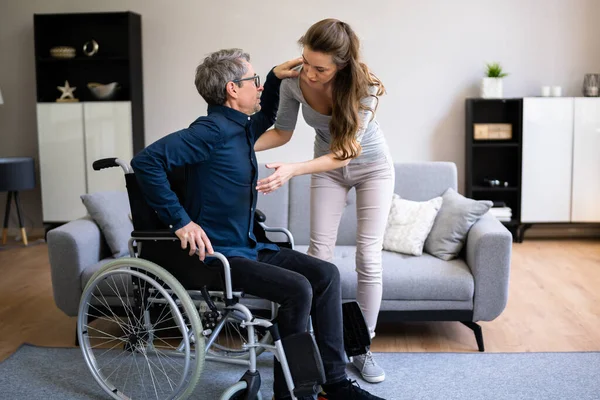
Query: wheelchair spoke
point(126, 290)
point(151, 373)
point(162, 369)
point(127, 376)
point(115, 318)
point(126, 305)
point(116, 369)
point(170, 361)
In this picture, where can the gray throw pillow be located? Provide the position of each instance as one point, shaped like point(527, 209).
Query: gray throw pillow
point(110, 211)
point(452, 224)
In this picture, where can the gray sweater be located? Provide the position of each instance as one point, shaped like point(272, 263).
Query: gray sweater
point(370, 136)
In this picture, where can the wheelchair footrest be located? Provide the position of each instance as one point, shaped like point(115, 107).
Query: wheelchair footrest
point(305, 363)
point(357, 337)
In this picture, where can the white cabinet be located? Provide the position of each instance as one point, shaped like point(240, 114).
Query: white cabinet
point(71, 137)
point(107, 134)
point(560, 175)
point(62, 161)
point(547, 159)
point(586, 161)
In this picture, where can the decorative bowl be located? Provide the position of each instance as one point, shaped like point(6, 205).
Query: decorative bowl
point(62, 52)
point(103, 92)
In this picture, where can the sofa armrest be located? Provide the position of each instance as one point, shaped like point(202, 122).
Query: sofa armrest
point(488, 254)
point(71, 249)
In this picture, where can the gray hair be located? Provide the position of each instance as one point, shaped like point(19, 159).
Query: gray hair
point(216, 70)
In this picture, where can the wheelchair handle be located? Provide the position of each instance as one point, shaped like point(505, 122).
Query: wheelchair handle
point(111, 162)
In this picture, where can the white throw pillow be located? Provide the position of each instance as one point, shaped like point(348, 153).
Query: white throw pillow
point(409, 223)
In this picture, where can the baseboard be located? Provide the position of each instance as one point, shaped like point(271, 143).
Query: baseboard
point(567, 231)
point(14, 233)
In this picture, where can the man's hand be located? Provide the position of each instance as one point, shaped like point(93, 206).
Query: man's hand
point(193, 234)
point(286, 70)
point(283, 173)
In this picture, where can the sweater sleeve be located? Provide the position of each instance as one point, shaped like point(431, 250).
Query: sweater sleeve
point(289, 105)
point(367, 115)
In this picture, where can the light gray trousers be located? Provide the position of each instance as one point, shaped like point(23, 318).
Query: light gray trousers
point(374, 184)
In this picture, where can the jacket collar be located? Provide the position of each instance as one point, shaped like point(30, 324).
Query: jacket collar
point(234, 115)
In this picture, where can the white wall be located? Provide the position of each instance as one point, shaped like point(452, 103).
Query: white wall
point(430, 54)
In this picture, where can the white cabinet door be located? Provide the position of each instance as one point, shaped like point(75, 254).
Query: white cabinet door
point(62, 167)
point(108, 133)
point(586, 161)
point(547, 160)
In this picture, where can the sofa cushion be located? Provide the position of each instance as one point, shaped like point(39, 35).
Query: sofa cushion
point(452, 224)
point(110, 210)
point(409, 223)
point(408, 277)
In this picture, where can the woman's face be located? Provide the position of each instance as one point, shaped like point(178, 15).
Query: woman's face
point(318, 68)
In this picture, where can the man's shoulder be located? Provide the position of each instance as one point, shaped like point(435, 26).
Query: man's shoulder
point(212, 121)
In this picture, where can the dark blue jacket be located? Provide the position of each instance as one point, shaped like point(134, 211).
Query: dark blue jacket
point(221, 174)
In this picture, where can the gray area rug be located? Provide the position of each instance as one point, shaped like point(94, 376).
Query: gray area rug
point(53, 373)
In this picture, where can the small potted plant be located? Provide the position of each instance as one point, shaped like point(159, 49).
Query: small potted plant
point(491, 84)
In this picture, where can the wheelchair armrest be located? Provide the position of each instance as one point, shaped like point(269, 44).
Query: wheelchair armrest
point(285, 231)
point(157, 234)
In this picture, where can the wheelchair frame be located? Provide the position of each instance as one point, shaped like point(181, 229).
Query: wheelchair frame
point(175, 297)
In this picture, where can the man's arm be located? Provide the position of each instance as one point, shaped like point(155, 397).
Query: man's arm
point(269, 100)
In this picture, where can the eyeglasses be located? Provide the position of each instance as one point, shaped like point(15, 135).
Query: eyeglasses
point(255, 78)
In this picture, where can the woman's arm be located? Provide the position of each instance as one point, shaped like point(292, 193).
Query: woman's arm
point(286, 171)
point(366, 115)
point(272, 138)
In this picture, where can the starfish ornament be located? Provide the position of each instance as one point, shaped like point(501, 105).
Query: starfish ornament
point(67, 91)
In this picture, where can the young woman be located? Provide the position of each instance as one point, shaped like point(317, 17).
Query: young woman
point(339, 96)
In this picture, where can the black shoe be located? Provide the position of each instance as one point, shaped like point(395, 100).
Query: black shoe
point(350, 391)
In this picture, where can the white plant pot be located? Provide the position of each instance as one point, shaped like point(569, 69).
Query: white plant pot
point(491, 88)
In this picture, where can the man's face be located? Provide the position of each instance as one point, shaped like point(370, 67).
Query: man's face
point(249, 94)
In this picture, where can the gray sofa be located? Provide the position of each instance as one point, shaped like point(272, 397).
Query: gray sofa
point(471, 288)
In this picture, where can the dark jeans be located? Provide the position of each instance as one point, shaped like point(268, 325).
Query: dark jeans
point(302, 285)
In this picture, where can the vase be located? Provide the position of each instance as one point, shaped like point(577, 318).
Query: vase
point(491, 88)
point(591, 85)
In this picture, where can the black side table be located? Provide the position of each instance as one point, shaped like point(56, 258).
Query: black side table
point(16, 174)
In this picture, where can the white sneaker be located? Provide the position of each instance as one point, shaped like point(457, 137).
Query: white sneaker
point(368, 368)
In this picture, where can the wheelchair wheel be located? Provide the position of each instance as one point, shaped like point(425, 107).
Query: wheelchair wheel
point(237, 392)
point(232, 337)
point(139, 332)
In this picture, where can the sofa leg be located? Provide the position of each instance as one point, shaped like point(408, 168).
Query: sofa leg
point(476, 328)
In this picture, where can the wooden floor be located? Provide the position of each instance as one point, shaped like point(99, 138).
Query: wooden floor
point(554, 305)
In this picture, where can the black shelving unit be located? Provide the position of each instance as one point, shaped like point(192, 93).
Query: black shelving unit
point(495, 159)
point(119, 59)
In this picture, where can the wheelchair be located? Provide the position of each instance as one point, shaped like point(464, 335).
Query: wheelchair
point(143, 335)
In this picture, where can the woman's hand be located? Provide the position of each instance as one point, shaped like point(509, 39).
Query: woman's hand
point(283, 173)
point(286, 70)
point(193, 234)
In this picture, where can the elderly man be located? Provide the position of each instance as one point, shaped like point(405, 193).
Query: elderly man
point(220, 200)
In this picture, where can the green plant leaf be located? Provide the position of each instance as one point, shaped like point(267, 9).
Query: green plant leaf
point(494, 70)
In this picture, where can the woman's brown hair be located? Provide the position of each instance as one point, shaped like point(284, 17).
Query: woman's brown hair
point(351, 83)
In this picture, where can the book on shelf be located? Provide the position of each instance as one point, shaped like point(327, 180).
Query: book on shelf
point(502, 213)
